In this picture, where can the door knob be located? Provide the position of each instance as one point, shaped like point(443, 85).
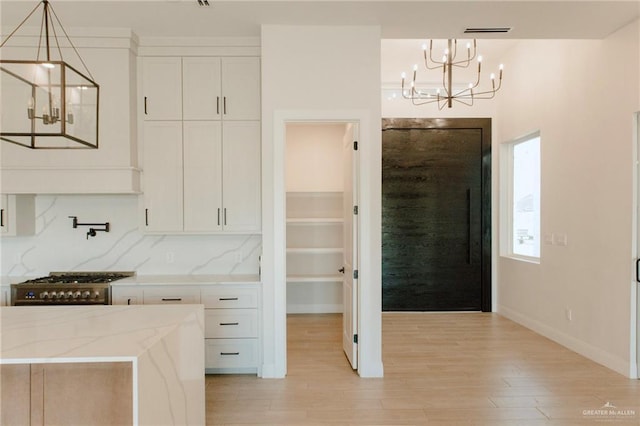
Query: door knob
point(341, 270)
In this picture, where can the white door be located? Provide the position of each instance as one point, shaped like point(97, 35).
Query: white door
point(201, 89)
point(241, 88)
point(4, 214)
point(241, 176)
point(162, 176)
point(350, 229)
point(162, 87)
point(202, 150)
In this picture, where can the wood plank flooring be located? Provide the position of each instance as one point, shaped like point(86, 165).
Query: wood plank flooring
point(440, 369)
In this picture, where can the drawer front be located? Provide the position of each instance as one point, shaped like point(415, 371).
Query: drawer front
point(158, 296)
point(229, 298)
point(230, 323)
point(231, 353)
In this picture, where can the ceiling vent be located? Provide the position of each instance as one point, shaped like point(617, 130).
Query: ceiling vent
point(203, 2)
point(487, 30)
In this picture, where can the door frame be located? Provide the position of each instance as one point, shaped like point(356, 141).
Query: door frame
point(634, 370)
point(484, 124)
point(274, 329)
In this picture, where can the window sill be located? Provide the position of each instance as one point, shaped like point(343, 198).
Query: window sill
point(526, 259)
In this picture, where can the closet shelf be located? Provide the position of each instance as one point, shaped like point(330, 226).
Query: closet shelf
point(314, 220)
point(314, 278)
point(314, 250)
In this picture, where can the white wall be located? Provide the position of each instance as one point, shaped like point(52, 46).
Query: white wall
point(56, 246)
point(320, 73)
point(581, 96)
point(314, 157)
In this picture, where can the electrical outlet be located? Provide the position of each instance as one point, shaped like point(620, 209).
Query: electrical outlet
point(238, 256)
point(569, 314)
point(170, 257)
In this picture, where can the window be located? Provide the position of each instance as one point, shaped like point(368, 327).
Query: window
point(523, 195)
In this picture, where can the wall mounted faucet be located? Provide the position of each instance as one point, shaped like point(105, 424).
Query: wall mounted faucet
point(92, 231)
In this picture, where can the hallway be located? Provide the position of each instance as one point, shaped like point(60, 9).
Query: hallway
point(440, 369)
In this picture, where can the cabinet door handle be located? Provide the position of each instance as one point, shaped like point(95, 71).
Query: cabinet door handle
point(229, 353)
point(229, 323)
point(1, 217)
point(145, 105)
point(228, 298)
point(172, 299)
point(146, 217)
point(218, 216)
point(225, 216)
point(218, 105)
point(469, 226)
point(129, 301)
point(224, 104)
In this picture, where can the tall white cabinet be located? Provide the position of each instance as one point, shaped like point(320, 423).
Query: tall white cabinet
point(201, 153)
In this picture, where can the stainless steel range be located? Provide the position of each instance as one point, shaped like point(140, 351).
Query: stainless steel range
point(66, 288)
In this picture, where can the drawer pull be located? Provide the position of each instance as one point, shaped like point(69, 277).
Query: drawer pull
point(229, 323)
point(172, 299)
point(227, 298)
point(229, 353)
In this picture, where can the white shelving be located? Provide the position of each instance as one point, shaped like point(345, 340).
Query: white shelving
point(314, 252)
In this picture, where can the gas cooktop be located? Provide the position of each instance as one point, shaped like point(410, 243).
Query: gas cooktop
point(79, 277)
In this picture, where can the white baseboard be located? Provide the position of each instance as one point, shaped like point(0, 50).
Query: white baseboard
point(596, 354)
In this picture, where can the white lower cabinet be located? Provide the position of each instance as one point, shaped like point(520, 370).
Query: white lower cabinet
point(231, 328)
point(230, 315)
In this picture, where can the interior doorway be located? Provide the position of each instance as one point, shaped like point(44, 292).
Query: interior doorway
point(321, 252)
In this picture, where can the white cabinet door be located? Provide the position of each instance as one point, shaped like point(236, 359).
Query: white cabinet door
point(202, 149)
point(201, 89)
point(162, 166)
point(241, 88)
point(241, 176)
point(162, 88)
point(4, 214)
point(17, 215)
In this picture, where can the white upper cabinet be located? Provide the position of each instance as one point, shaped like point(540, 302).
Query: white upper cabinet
point(162, 96)
point(241, 176)
point(201, 161)
point(202, 89)
point(162, 158)
point(241, 88)
point(202, 176)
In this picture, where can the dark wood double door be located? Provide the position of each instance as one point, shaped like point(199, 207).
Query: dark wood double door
point(436, 218)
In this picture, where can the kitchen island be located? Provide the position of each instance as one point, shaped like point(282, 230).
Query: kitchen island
point(139, 365)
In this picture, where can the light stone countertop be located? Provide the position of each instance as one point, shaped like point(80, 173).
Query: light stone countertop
point(187, 280)
point(163, 343)
point(97, 333)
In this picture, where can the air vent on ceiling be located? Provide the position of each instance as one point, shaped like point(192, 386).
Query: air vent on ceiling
point(203, 2)
point(487, 30)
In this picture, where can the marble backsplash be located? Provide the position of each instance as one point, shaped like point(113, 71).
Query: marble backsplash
point(57, 246)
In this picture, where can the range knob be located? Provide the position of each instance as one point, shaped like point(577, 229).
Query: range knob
point(68, 295)
point(76, 295)
point(44, 295)
point(86, 294)
point(96, 294)
point(55, 295)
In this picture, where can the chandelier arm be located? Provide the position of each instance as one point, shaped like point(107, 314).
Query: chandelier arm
point(21, 23)
point(71, 43)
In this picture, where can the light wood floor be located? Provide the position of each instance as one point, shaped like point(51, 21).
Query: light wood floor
point(440, 369)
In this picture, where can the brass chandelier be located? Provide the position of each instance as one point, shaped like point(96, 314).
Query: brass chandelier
point(446, 95)
point(47, 103)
